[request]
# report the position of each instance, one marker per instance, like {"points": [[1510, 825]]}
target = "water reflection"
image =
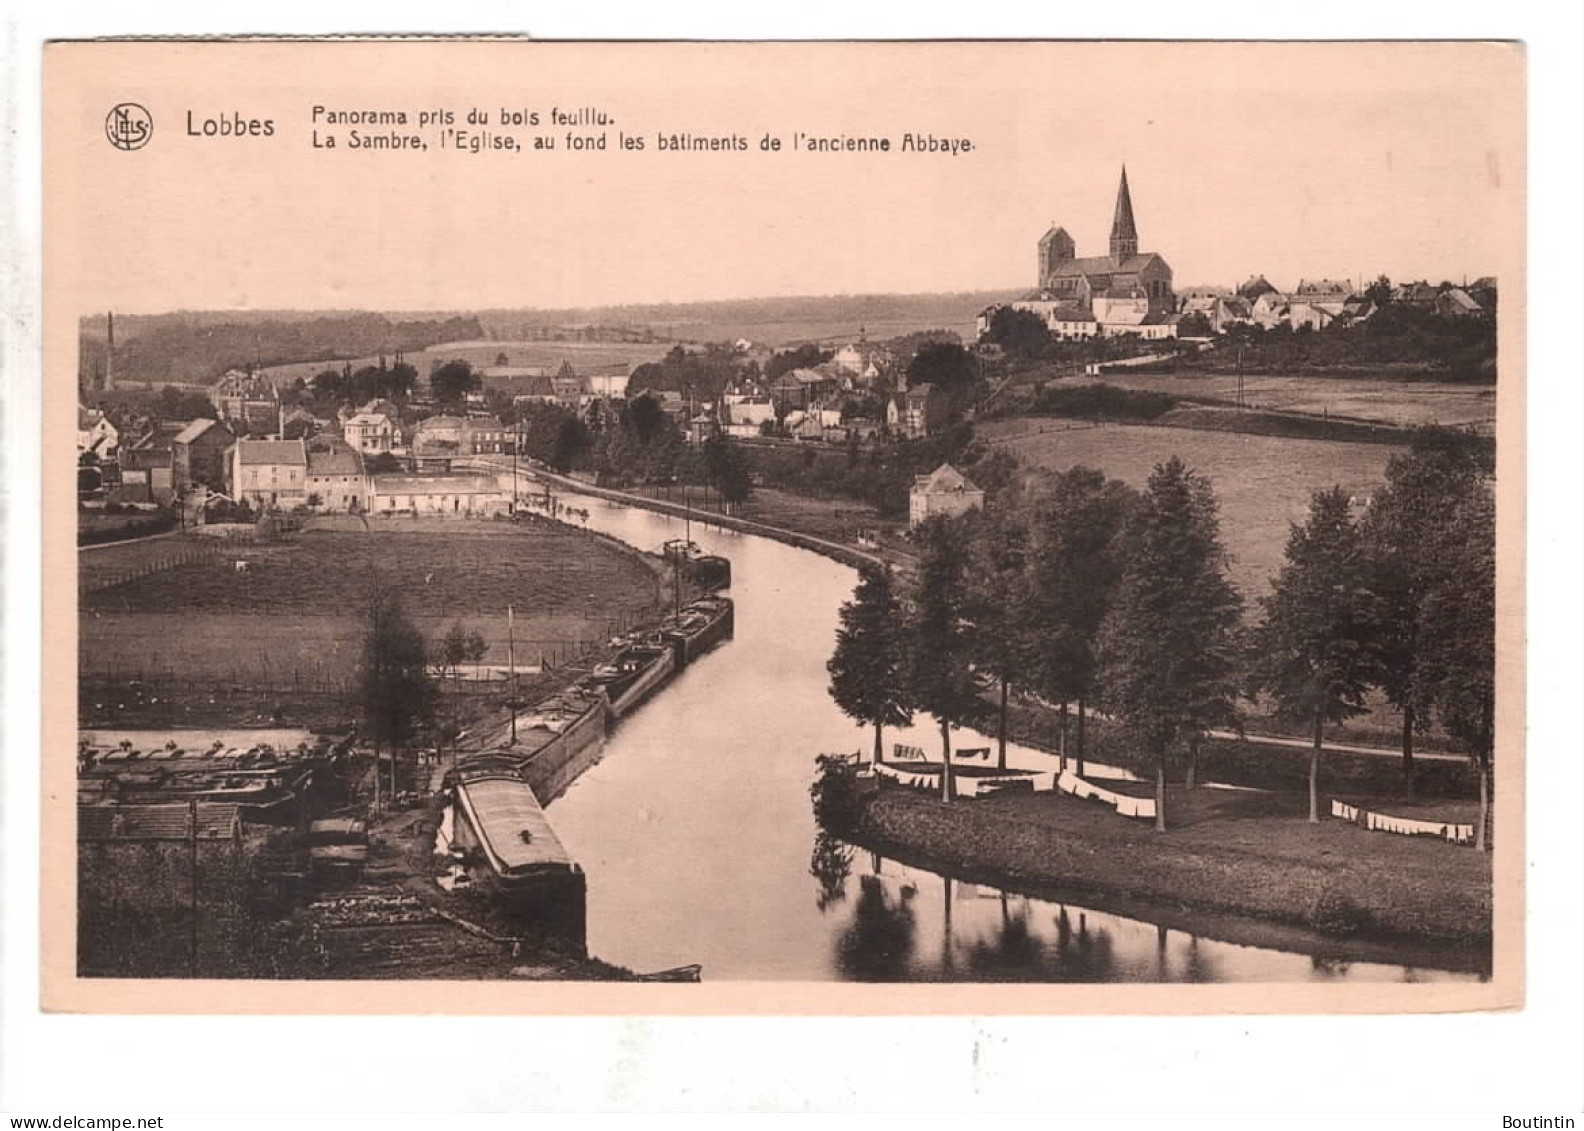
{"points": [[878, 942], [830, 864], [696, 832]]}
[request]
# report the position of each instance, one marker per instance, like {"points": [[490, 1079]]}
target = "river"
{"points": [[698, 838]]}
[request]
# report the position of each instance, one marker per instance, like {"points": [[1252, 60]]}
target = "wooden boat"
{"points": [[690, 973]]}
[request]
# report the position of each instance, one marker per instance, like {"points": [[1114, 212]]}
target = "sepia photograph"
{"points": [[548, 519]]}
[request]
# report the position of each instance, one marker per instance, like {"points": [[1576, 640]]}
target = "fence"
{"points": [[93, 580]]}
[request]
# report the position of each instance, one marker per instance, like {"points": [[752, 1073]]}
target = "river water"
{"points": [[698, 838]]}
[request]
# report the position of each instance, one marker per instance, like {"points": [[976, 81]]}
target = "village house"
{"points": [[337, 480], [944, 491], [916, 412], [270, 473], [1269, 310], [609, 381], [439, 440], [201, 454], [865, 362], [457, 495], [370, 433], [148, 467], [1455, 302], [95, 434], [745, 414], [248, 403], [1256, 287], [567, 387]]}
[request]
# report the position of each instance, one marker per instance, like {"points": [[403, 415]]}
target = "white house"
{"points": [[270, 473], [370, 433], [96, 434]]}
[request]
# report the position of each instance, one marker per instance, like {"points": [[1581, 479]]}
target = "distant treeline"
{"points": [[193, 350]]}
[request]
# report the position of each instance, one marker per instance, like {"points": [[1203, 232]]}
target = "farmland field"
{"points": [[298, 607], [584, 356], [1263, 483], [1403, 403]]}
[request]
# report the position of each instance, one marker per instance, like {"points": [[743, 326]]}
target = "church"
{"points": [[1125, 292]]}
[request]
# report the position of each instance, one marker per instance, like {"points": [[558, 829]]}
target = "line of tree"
{"points": [[1081, 590]]}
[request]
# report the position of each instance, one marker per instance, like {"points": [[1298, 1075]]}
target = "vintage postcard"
{"points": [[993, 527]]}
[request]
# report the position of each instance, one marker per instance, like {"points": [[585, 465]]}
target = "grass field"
{"points": [[1263, 483], [583, 356], [296, 613], [1402, 403]]}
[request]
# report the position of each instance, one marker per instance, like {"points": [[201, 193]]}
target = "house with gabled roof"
{"points": [[337, 478], [270, 473], [201, 454], [944, 491]]}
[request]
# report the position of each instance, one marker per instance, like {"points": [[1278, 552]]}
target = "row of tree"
{"points": [[1082, 590]]}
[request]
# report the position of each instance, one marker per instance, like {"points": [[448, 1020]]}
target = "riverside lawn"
{"points": [[1247, 855]]}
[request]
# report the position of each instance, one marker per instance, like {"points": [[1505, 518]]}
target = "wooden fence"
{"points": [[93, 580]]}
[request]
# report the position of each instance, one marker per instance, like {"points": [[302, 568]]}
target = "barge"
{"points": [[698, 627], [510, 850], [632, 674], [707, 571]]}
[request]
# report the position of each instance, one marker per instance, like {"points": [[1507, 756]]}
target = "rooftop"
{"points": [[278, 452]]}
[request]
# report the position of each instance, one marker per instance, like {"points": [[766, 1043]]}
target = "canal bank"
{"points": [[1330, 889], [700, 843]]}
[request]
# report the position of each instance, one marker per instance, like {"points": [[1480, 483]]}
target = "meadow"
{"points": [[296, 614], [1263, 483], [1400, 403]]}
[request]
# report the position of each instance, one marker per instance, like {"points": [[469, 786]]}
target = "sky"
{"points": [[1295, 161]]}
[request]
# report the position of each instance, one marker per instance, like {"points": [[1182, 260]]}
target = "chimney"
{"points": [[109, 375]]}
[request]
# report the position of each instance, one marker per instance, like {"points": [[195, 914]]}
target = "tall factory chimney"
{"points": [[109, 375]]}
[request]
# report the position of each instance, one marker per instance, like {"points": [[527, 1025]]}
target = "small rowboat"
{"points": [[690, 973]]}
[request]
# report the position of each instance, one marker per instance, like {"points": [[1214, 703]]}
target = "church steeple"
{"points": [[1124, 233]]}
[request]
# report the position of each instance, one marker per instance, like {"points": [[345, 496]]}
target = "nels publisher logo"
{"points": [[129, 126]]}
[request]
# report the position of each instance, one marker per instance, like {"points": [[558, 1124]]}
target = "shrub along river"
{"points": [[699, 841]]}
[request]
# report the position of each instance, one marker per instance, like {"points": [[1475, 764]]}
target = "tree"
{"points": [[869, 668], [946, 365], [453, 649], [998, 592], [1021, 333], [1459, 641], [394, 690], [1317, 648], [1167, 660], [1380, 291], [1076, 564], [453, 381], [941, 678], [174, 404], [384, 463], [1401, 530], [571, 443], [645, 417], [1195, 324]]}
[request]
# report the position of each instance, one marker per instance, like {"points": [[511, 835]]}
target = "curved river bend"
{"points": [[697, 833]]}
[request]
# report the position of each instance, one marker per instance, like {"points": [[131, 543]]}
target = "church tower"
{"points": [[1055, 248], [1124, 232]]}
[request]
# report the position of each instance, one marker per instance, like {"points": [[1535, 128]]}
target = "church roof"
{"points": [[1122, 224], [1055, 230], [1105, 265]]}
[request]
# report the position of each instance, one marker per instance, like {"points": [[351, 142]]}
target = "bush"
{"points": [[835, 793]]}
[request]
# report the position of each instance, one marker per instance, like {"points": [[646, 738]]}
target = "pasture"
{"points": [[296, 614], [1263, 483], [1400, 403]]}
